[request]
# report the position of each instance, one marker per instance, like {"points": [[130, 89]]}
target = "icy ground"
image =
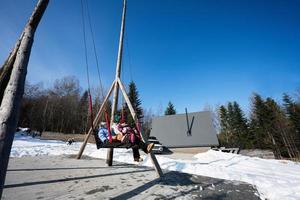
{"points": [[274, 179]]}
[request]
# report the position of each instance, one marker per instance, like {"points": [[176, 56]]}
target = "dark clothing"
{"points": [[136, 153], [131, 135], [139, 145]]}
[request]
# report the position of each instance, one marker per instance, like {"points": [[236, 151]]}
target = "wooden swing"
{"points": [[116, 85], [110, 143]]}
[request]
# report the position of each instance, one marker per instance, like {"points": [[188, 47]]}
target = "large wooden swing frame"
{"points": [[116, 85], [12, 80]]}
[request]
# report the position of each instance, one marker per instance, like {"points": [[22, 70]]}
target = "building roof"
{"points": [[172, 130]]}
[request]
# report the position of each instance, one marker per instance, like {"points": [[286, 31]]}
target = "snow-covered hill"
{"points": [[274, 179]]}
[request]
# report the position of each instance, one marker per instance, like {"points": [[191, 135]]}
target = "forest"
{"points": [[64, 107], [269, 125]]}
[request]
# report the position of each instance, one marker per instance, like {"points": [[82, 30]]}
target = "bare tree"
{"points": [[147, 121], [215, 114]]}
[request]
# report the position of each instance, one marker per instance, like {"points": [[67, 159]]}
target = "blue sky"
{"points": [[192, 52]]}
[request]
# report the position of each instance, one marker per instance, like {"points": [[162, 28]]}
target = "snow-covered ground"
{"points": [[274, 179]]}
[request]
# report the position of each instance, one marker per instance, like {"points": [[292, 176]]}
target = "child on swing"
{"points": [[104, 136], [125, 134]]}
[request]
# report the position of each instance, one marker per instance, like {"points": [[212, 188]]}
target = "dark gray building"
{"points": [[196, 130]]}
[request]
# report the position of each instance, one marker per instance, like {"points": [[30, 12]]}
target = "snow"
{"points": [[274, 179], [24, 129]]}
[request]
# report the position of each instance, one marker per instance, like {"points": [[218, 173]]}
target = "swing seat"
{"points": [[115, 144]]}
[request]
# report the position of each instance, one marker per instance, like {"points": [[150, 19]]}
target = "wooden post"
{"points": [[96, 121], [110, 151], [6, 69], [9, 109], [134, 116]]}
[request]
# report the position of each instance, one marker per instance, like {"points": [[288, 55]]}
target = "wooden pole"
{"points": [[6, 69], [134, 116], [9, 109], [110, 151], [96, 121]]}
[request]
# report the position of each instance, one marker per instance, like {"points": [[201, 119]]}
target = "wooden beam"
{"points": [[119, 61], [6, 68], [156, 165], [134, 116], [110, 152], [131, 109], [96, 121], [11, 101]]}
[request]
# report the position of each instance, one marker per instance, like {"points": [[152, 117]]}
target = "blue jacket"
{"points": [[103, 134]]}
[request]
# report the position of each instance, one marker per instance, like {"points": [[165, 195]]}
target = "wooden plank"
{"points": [[134, 116], [96, 121]]}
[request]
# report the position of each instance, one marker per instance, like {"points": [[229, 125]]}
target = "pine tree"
{"points": [[265, 124], [224, 134], [223, 119], [292, 111], [136, 104], [240, 126], [234, 126], [170, 110], [230, 114], [258, 123], [231, 126], [278, 126], [274, 126]]}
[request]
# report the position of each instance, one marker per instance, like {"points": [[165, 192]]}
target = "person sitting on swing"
{"points": [[104, 136], [131, 135], [125, 134]]}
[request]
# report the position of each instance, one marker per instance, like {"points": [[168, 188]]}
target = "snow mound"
{"points": [[274, 179]]}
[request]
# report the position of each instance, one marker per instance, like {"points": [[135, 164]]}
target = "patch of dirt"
{"points": [[102, 189], [64, 137], [83, 157]]}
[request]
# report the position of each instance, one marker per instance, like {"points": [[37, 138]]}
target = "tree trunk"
{"points": [[9, 109], [44, 115], [6, 69]]}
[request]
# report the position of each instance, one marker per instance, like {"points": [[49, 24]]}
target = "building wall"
{"points": [[172, 130]]}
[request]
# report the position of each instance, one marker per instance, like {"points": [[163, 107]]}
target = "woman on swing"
{"points": [[125, 134]]}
